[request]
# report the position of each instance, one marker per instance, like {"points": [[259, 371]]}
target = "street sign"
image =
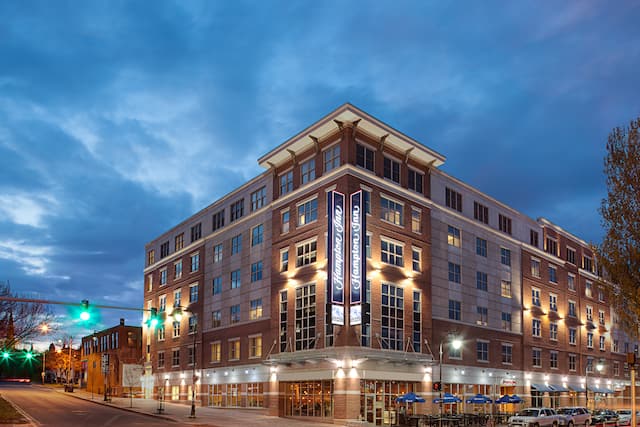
{"points": [[105, 363]]}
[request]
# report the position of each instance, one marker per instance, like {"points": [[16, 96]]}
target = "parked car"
{"points": [[574, 415], [604, 416], [536, 417], [624, 417]]}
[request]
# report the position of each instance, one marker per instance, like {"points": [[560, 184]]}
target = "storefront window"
{"points": [[309, 399]]}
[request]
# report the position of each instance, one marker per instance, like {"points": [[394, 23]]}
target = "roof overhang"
{"points": [[348, 354], [348, 115]]}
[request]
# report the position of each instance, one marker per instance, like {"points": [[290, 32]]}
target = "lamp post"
{"points": [[599, 367], [456, 343], [177, 315]]}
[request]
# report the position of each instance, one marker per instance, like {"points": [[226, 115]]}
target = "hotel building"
{"points": [[336, 280]]}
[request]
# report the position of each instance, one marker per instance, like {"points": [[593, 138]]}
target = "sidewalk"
{"points": [[205, 416]]}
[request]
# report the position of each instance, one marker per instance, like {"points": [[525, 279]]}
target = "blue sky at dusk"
{"points": [[120, 119]]}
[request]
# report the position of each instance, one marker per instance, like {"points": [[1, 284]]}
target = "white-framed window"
{"points": [[602, 343], [193, 293], [589, 339], [573, 333], [286, 182], [553, 359], [505, 288], [284, 260], [308, 212], [415, 181], [257, 235], [455, 310], [416, 220], [454, 272], [177, 269], [589, 312], [308, 171], [331, 157], [601, 317], [571, 282], [391, 252], [177, 297], [535, 267], [572, 308], [258, 199], [391, 169], [571, 255], [176, 329], [163, 276], [391, 211], [235, 279], [216, 319], [305, 317], [255, 346], [588, 289], [193, 324], [236, 244], [234, 313], [216, 350], [553, 331], [306, 253], [416, 259], [535, 297], [195, 262], [392, 316], [255, 310], [175, 361], [551, 246], [284, 221], [553, 302], [483, 315], [162, 303], [507, 354], [234, 349], [482, 282], [505, 256], [482, 350], [536, 358], [506, 321], [453, 236], [161, 359], [481, 247], [217, 253], [364, 157], [256, 271], [572, 362], [161, 332], [536, 327]]}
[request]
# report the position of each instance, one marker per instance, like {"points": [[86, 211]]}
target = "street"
{"points": [[47, 407]]}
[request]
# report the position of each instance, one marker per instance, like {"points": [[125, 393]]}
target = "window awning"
{"points": [[603, 390], [558, 388], [542, 388], [577, 388]]}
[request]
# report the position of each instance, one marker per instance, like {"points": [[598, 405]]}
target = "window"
{"points": [[176, 329], [196, 232], [366, 196], [417, 321], [588, 289], [237, 210], [177, 270], [454, 310], [151, 257], [217, 253], [149, 283], [308, 212], [455, 353], [601, 317], [392, 170], [217, 219], [504, 224], [331, 157], [480, 212], [193, 293], [255, 312], [553, 331], [236, 244], [572, 308], [454, 272], [177, 298], [286, 183], [600, 294], [255, 346], [258, 199], [571, 282], [505, 288], [234, 312], [535, 267], [175, 357], [536, 358], [589, 311], [161, 332], [162, 303], [536, 328], [551, 246], [572, 362], [284, 222], [308, 171], [164, 249], [553, 359], [571, 255], [481, 247], [234, 349], [306, 253], [553, 274], [216, 319], [482, 351], [416, 220], [163, 277], [161, 359], [391, 211], [217, 285], [587, 263], [305, 317], [507, 354], [235, 279], [392, 317], [257, 235], [256, 271], [284, 260], [453, 199], [215, 351], [553, 302], [415, 181], [415, 259], [367, 245], [505, 256], [193, 324], [483, 315], [572, 336], [195, 262], [533, 238], [535, 297], [589, 339], [615, 346], [481, 281], [364, 157], [506, 321], [391, 252], [602, 343], [616, 369], [453, 236]]}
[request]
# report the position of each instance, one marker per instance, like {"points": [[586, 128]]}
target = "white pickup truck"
{"points": [[536, 417]]}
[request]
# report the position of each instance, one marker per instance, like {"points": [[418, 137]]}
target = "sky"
{"points": [[119, 119]]}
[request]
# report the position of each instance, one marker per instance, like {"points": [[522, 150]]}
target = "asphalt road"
{"points": [[50, 408]]}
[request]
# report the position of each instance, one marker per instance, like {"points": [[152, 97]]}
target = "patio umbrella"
{"points": [[447, 398], [410, 397], [479, 399], [514, 399], [503, 399]]}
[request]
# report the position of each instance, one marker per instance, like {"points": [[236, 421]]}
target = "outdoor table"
{"points": [[416, 418]]}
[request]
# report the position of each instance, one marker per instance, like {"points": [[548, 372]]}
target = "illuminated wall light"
{"points": [[565, 379], [182, 382], [166, 377], [353, 373], [182, 375], [427, 377], [527, 376], [428, 369], [609, 382], [340, 373], [274, 369], [274, 376], [490, 374], [246, 372], [546, 377]]}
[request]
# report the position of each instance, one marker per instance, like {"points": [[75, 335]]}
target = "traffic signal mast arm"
{"points": [[83, 303]]}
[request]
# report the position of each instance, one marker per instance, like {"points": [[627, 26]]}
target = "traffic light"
{"points": [[153, 318], [28, 355], [5, 355], [84, 314], [437, 386]]}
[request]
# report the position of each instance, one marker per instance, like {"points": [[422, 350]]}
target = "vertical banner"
{"points": [[335, 252], [358, 260]]}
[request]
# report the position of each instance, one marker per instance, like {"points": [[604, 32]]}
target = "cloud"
{"points": [[27, 209], [32, 259]]}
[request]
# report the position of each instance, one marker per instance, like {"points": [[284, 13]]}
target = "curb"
{"points": [[29, 420]]}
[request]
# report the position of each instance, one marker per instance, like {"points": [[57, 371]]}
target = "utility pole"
{"points": [[631, 360]]}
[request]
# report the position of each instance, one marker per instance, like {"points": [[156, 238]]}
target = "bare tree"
{"points": [[619, 253], [20, 321]]}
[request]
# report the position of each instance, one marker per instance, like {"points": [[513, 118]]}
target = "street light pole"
{"points": [[456, 343], [194, 378]]}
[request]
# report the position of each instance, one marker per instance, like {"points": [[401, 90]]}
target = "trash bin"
{"points": [[68, 388]]}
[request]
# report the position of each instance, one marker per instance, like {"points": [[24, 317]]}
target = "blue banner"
{"points": [[336, 244]]}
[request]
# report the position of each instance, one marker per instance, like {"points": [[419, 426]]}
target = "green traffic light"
{"points": [[84, 314], [29, 355], [5, 355]]}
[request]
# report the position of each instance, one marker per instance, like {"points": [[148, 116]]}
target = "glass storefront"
{"points": [[378, 400], [309, 399], [246, 395]]}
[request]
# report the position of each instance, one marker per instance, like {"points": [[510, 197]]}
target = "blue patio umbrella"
{"points": [[447, 398], [479, 399], [515, 399], [410, 397], [503, 399]]}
